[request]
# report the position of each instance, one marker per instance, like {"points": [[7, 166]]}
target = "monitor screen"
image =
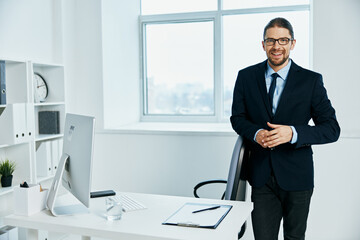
{"points": [[75, 166]]}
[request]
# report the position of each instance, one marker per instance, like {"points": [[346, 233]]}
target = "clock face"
{"points": [[41, 88]]}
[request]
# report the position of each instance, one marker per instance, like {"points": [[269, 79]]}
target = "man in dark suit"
{"points": [[272, 106]]}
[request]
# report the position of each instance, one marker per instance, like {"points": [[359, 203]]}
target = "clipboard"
{"points": [[186, 217]]}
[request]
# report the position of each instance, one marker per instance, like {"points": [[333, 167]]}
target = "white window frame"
{"points": [[216, 17]]}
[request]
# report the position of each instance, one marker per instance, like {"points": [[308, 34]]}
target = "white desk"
{"points": [[142, 224]]}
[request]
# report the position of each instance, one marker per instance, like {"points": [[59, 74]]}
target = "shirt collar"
{"points": [[282, 72]]}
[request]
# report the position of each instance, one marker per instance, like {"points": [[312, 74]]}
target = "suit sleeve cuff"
{"points": [[294, 137]]}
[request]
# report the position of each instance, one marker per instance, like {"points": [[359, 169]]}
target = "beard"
{"points": [[279, 62]]}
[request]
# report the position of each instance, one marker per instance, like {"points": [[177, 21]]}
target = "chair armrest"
{"points": [[199, 185]]}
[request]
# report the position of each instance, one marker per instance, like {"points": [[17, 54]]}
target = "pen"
{"points": [[205, 209]]}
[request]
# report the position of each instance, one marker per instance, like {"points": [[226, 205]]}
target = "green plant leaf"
{"points": [[7, 167]]}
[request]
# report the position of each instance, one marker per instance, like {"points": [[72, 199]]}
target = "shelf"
{"points": [[48, 104], [20, 115], [17, 90], [13, 145], [47, 65], [13, 60], [7, 190], [54, 77], [45, 137]]}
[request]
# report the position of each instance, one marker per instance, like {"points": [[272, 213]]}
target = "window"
{"points": [[180, 68], [242, 50], [191, 53], [176, 6], [236, 4]]}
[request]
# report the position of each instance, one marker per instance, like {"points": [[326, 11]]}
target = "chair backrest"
{"points": [[236, 188]]}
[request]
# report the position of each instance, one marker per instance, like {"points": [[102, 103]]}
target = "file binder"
{"points": [[13, 124], [2, 83], [190, 216], [43, 159], [56, 155]]}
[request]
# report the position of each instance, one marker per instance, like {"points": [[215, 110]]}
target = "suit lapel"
{"points": [[289, 87], [260, 78]]}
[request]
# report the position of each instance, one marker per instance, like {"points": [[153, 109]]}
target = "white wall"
{"points": [[30, 30], [160, 163], [336, 55], [83, 57], [336, 197], [172, 163], [120, 48]]}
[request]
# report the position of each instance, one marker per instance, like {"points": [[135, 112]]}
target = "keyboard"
{"points": [[129, 204]]}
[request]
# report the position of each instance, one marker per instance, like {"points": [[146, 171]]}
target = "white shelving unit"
{"points": [[20, 92]]}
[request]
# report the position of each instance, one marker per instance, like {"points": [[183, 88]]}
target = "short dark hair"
{"points": [[280, 22]]}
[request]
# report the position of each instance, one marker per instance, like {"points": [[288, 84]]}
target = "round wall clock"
{"points": [[41, 88]]}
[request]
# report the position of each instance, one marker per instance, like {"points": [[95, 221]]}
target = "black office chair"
{"points": [[236, 188]]}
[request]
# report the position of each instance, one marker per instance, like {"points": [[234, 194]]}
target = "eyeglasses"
{"points": [[281, 41]]}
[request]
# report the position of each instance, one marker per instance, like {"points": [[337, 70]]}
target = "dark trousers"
{"points": [[271, 204]]}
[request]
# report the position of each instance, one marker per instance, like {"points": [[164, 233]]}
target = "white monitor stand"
{"points": [[59, 210]]}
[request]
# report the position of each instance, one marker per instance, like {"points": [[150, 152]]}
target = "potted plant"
{"points": [[7, 168]]}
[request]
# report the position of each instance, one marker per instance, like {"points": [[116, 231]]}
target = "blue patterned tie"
{"points": [[272, 88]]}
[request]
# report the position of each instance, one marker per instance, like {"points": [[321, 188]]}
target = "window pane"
{"points": [[242, 45], [237, 4], [176, 6], [180, 68]]}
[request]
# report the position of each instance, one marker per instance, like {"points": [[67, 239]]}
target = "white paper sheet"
{"points": [[209, 218]]}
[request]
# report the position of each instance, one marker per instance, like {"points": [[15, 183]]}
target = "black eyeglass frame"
{"points": [[277, 40]]}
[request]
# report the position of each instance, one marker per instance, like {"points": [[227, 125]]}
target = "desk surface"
{"points": [[142, 224]]}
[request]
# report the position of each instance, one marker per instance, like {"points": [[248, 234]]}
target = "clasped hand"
{"points": [[278, 135]]}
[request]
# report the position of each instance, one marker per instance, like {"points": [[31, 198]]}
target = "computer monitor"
{"points": [[75, 166]]}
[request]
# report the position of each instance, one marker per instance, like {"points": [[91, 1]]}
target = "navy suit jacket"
{"points": [[303, 98]]}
